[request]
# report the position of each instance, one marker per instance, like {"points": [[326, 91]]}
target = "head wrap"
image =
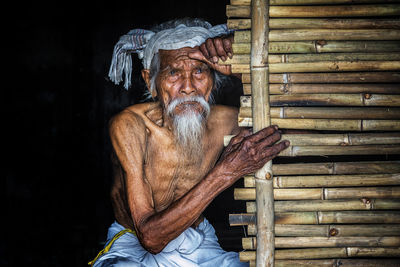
{"points": [[147, 43]]}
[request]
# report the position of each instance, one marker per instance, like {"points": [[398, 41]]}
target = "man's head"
{"points": [[171, 35]]}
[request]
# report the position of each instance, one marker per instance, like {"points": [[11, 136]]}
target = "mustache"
{"points": [[198, 99]]}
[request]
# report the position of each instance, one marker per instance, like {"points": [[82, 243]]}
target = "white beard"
{"points": [[188, 126]]}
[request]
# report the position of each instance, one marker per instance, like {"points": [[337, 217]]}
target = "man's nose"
{"points": [[187, 86]]}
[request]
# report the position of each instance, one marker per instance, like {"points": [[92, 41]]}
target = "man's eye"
{"points": [[199, 70], [172, 72]]}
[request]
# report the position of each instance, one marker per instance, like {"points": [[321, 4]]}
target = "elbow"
{"points": [[151, 241], [152, 246]]}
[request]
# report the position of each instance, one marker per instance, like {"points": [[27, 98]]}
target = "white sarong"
{"points": [[194, 247]]}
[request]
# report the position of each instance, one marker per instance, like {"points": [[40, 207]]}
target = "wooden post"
{"points": [[261, 119]]}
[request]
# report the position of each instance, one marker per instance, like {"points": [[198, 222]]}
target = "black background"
{"points": [[57, 101]]}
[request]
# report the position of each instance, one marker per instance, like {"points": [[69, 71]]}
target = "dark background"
{"points": [[58, 101]]}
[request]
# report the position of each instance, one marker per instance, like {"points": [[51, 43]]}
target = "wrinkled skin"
{"points": [[159, 192]]}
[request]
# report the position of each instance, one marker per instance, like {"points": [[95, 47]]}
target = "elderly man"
{"points": [[167, 153]]}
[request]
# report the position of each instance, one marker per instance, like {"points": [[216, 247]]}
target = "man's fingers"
{"points": [[270, 140], [224, 69], [220, 48], [256, 137], [213, 56], [204, 51], [239, 137], [274, 150], [228, 47], [201, 57], [242, 134]]}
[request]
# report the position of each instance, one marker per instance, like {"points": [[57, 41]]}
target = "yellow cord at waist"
{"points": [[108, 246]]}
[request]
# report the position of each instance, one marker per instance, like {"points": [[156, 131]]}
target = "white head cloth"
{"points": [[147, 43]]}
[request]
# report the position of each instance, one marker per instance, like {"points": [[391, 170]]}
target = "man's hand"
{"points": [[246, 152], [214, 49], [219, 47]]}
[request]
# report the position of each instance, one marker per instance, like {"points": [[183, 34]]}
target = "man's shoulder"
{"points": [[132, 116], [223, 118], [224, 112]]}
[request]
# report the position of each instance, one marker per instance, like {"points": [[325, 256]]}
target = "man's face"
{"points": [[181, 77]]}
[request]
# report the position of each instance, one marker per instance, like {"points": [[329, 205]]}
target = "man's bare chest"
{"points": [[171, 173]]}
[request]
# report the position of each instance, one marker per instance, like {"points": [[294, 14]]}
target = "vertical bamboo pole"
{"points": [[262, 119]]}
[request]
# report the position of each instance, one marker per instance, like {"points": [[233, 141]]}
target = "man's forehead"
{"points": [[168, 57], [180, 51]]}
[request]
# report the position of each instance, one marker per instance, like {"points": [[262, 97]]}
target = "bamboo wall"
{"points": [[334, 71]]}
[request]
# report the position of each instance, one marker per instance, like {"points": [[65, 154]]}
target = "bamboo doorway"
{"points": [[332, 68]]}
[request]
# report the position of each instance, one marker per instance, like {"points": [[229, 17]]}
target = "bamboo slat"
{"points": [[373, 252], [364, 217], [312, 253], [323, 217], [336, 180], [323, 193], [331, 205], [335, 66], [329, 78], [318, 11], [364, 230], [323, 47], [308, 88], [317, 242], [337, 230], [362, 192], [296, 217], [239, 24], [296, 58], [240, 2], [321, 253], [235, 11], [262, 119], [369, 113], [242, 219], [324, 66], [328, 100], [280, 194], [360, 167], [336, 140], [334, 11], [324, 2], [303, 242], [348, 139], [312, 2], [333, 23], [329, 124], [319, 23], [337, 262], [241, 48], [301, 230], [323, 34], [295, 151]]}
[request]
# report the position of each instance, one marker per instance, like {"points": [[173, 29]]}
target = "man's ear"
{"points": [[146, 78]]}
